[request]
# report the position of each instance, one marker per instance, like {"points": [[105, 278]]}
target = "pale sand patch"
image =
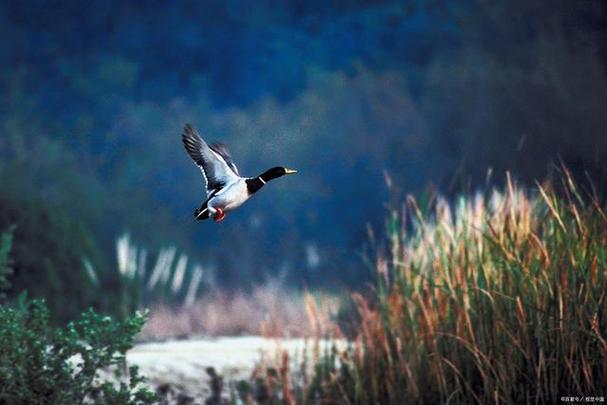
{"points": [[182, 363]]}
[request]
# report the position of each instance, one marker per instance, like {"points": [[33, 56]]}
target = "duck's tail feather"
{"points": [[201, 213]]}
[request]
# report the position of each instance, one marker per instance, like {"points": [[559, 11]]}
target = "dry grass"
{"points": [[500, 298], [268, 310]]}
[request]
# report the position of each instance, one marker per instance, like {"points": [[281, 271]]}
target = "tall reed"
{"points": [[497, 298]]}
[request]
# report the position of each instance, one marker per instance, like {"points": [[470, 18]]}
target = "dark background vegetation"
{"points": [[93, 97]]}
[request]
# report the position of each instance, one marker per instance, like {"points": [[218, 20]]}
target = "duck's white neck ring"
{"points": [[262, 180]]}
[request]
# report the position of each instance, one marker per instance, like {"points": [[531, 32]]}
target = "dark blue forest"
{"points": [[369, 100]]}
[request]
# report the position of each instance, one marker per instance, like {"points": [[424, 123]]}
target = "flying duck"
{"points": [[226, 189]]}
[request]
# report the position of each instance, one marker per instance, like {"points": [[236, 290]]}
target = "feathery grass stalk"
{"points": [[502, 300], [498, 298], [170, 281]]}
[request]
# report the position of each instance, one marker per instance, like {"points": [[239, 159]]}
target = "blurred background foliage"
{"points": [[93, 97]]}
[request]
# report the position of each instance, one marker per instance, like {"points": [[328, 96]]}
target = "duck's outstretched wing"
{"points": [[223, 151], [215, 169]]}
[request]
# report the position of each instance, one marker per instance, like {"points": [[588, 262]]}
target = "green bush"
{"points": [[42, 365]]}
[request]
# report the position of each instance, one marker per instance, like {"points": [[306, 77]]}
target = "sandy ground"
{"points": [[181, 365]]}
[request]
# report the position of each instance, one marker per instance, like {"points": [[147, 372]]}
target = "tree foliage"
{"points": [[48, 253], [428, 91], [6, 270]]}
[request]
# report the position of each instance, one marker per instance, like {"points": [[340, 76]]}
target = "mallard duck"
{"points": [[226, 189]]}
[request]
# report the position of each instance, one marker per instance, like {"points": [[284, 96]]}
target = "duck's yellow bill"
{"points": [[290, 171]]}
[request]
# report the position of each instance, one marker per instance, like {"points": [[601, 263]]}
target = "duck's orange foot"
{"points": [[220, 215]]}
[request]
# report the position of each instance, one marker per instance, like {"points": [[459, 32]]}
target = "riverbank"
{"points": [[182, 368]]}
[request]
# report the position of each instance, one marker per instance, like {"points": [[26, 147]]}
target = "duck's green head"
{"points": [[255, 183], [275, 173]]}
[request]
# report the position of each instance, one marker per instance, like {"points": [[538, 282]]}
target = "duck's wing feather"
{"points": [[215, 169], [223, 151]]}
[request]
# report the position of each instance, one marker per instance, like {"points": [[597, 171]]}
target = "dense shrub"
{"points": [[48, 256], [6, 244], [40, 365]]}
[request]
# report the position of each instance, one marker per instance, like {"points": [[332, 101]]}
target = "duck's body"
{"points": [[226, 189], [227, 199]]}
